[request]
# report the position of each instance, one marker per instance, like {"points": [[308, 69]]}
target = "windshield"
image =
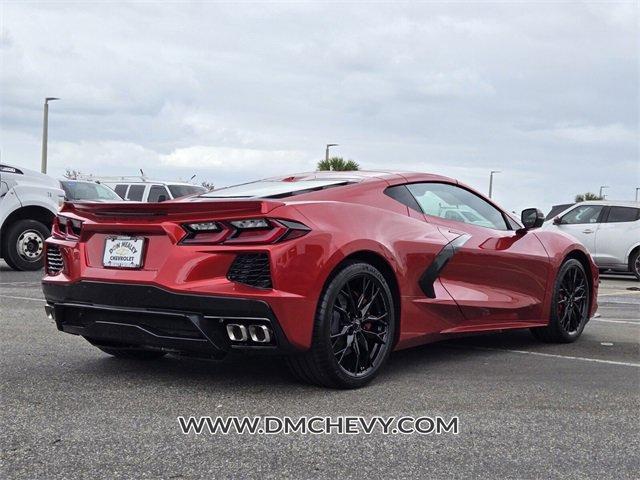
{"points": [[272, 188], [184, 190], [88, 191]]}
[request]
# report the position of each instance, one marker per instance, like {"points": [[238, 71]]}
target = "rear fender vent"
{"points": [[251, 269], [54, 260]]}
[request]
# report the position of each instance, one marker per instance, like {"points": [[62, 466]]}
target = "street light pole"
{"points": [[491, 181], [45, 133], [602, 187], [326, 152], [637, 190]]}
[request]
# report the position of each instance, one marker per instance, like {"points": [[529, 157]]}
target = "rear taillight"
{"points": [[252, 231], [66, 227]]}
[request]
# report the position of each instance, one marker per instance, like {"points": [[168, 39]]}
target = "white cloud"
{"points": [[250, 162], [615, 133]]}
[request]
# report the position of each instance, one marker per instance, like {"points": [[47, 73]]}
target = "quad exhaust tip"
{"points": [[260, 333], [239, 333]]}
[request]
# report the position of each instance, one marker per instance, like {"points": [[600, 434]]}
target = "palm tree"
{"points": [[587, 196], [338, 164]]}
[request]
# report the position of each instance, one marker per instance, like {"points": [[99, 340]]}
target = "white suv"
{"points": [[609, 230], [152, 191]]}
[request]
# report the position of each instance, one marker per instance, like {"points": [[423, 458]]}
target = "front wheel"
{"points": [[353, 332], [23, 245], [570, 307], [634, 263]]}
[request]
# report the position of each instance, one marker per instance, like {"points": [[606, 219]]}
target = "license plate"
{"points": [[123, 252]]}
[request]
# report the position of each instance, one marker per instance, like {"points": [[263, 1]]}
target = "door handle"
{"points": [[587, 231]]}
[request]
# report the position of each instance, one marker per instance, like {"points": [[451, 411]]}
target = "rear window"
{"points": [[121, 190], [273, 188], [623, 214], [136, 192], [178, 191], [157, 193]]}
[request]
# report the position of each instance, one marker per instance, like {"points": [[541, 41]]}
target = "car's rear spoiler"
{"points": [[217, 208]]}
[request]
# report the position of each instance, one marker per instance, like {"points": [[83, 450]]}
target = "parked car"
{"points": [[29, 202], [333, 270], [609, 230], [152, 191], [80, 190]]}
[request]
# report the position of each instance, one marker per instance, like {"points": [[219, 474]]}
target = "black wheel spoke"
{"points": [[360, 326], [341, 310], [377, 337], [365, 310], [572, 299], [376, 320], [342, 333]]}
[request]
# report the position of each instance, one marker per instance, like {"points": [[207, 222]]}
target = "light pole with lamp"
{"points": [[326, 152], [602, 187]]}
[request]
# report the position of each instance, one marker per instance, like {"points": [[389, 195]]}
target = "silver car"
{"points": [[610, 231]]}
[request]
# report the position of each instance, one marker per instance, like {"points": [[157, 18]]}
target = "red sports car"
{"points": [[333, 270]]}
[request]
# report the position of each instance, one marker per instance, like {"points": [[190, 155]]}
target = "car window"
{"points": [[623, 214], [121, 190], [582, 214], [156, 192], [455, 203], [453, 215], [184, 190], [400, 193], [88, 191], [136, 192]]}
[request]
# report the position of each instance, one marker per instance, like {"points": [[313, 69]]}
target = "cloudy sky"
{"points": [[546, 92]]}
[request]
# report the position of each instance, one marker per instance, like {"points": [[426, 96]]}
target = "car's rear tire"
{"points": [[353, 331], [23, 245], [570, 305], [634, 263], [132, 352]]}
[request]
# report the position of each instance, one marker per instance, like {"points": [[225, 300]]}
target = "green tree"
{"points": [[588, 196], [338, 164]]}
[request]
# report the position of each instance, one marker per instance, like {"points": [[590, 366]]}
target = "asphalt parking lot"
{"points": [[527, 410]]}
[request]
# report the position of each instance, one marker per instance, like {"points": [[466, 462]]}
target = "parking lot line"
{"points": [[611, 320], [24, 298], [552, 355], [617, 293]]}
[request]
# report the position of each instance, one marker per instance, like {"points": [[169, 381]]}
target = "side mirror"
{"points": [[557, 220], [532, 218]]}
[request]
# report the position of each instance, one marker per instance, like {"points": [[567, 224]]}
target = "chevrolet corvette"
{"points": [[331, 270]]}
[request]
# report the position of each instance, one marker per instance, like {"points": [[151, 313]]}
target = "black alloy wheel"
{"points": [[572, 299], [570, 307], [353, 332], [359, 325]]}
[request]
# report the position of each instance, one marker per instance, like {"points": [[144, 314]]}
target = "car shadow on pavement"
{"points": [[255, 372]]}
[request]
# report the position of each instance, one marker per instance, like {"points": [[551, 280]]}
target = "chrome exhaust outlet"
{"points": [[237, 333], [260, 333]]}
